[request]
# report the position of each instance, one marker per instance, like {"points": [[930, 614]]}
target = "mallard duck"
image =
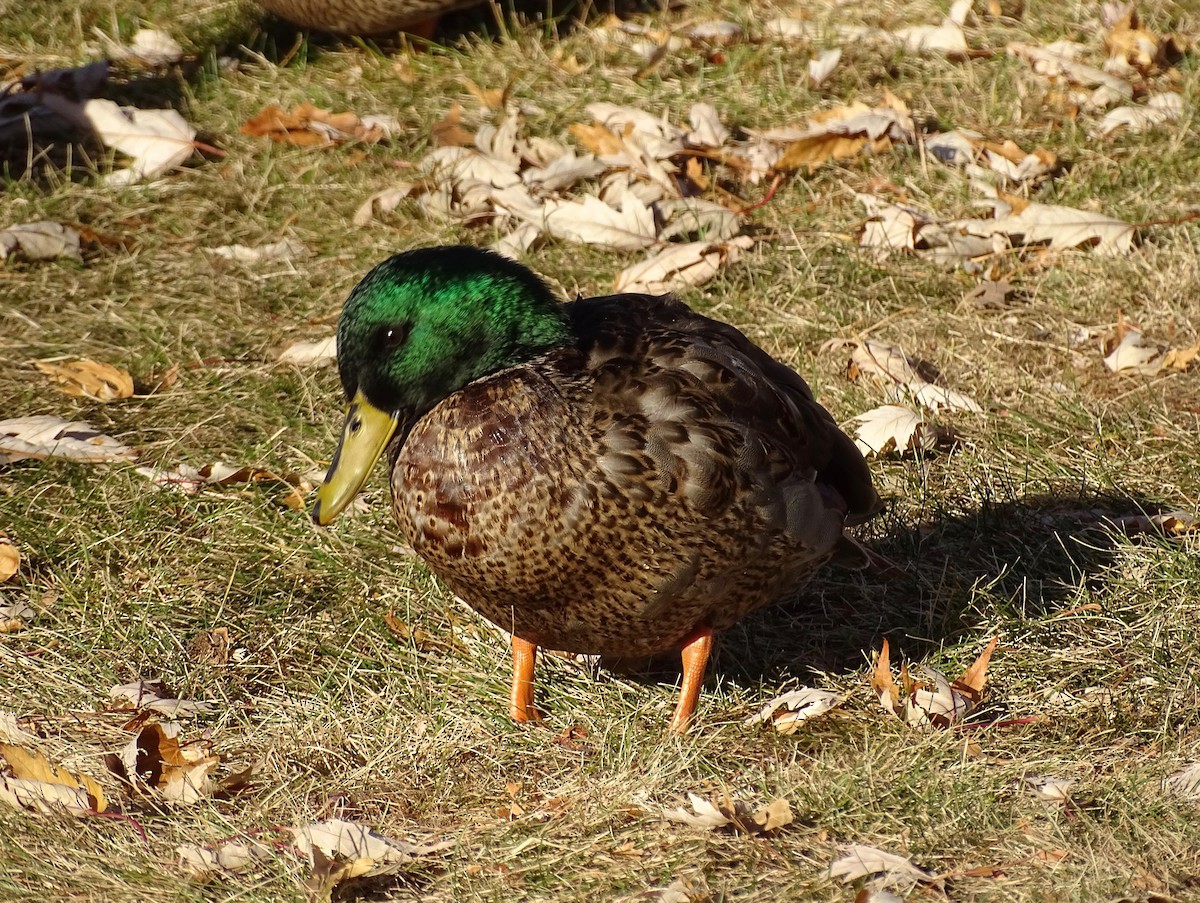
{"points": [[366, 17], [616, 475]]}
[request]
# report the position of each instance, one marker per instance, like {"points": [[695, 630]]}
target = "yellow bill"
{"points": [[365, 435]]}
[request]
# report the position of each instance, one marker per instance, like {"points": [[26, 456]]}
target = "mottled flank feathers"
{"points": [[661, 475]]}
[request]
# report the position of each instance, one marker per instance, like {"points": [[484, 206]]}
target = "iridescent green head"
{"points": [[419, 327]]}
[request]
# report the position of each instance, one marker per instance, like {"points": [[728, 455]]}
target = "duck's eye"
{"points": [[391, 337]]}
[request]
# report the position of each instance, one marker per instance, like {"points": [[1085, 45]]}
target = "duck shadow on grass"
{"points": [[1015, 559]]}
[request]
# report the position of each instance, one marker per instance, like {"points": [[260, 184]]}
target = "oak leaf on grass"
{"points": [[86, 378]]}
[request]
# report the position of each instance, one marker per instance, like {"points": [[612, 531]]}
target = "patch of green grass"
{"points": [[1094, 677]]}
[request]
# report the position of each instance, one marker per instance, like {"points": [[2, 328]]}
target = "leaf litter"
{"points": [[34, 783], [934, 700], [48, 436], [732, 814], [788, 711], [86, 378]]}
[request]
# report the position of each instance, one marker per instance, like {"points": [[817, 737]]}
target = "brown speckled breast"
{"points": [[611, 498]]}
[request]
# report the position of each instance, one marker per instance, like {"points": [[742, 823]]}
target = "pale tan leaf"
{"points": [[935, 702], [1185, 783], [10, 558], [859, 860], [707, 130], [1131, 353], [681, 265], [221, 858], [891, 425], [11, 730], [1160, 108], [47, 436], [885, 361], [703, 815], [1053, 61], [156, 140], [284, 249], [1057, 790], [318, 352], [43, 796], [88, 379], [591, 221], [350, 840], [882, 682], [798, 706], [43, 778], [562, 172], [154, 696], [733, 814], [947, 39], [934, 397], [517, 242], [1169, 523], [772, 816], [382, 202], [822, 67], [41, 240], [148, 46]]}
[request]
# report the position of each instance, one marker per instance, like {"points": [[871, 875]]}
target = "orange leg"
{"points": [[695, 660], [520, 700]]}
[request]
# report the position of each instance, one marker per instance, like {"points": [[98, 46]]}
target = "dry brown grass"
{"points": [[409, 735]]}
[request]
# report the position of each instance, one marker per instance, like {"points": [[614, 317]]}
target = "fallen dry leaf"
{"points": [[317, 352], [46, 436], [1057, 790], [797, 707], [820, 68], [88, 379], [309, 126], [681, 265], [284, 249], [935, 700], [42, 240], [345, 839], [859, 860], [1165, 107], [449, 132], [154, 696], [39, 785], [882, 682], [1170, 523], [156, 764], [892, 426], [221, 858], [156, 140], [184, 477], [149, 46], [10, 558], [845, 131], [732, 814], [1185, 783]]}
